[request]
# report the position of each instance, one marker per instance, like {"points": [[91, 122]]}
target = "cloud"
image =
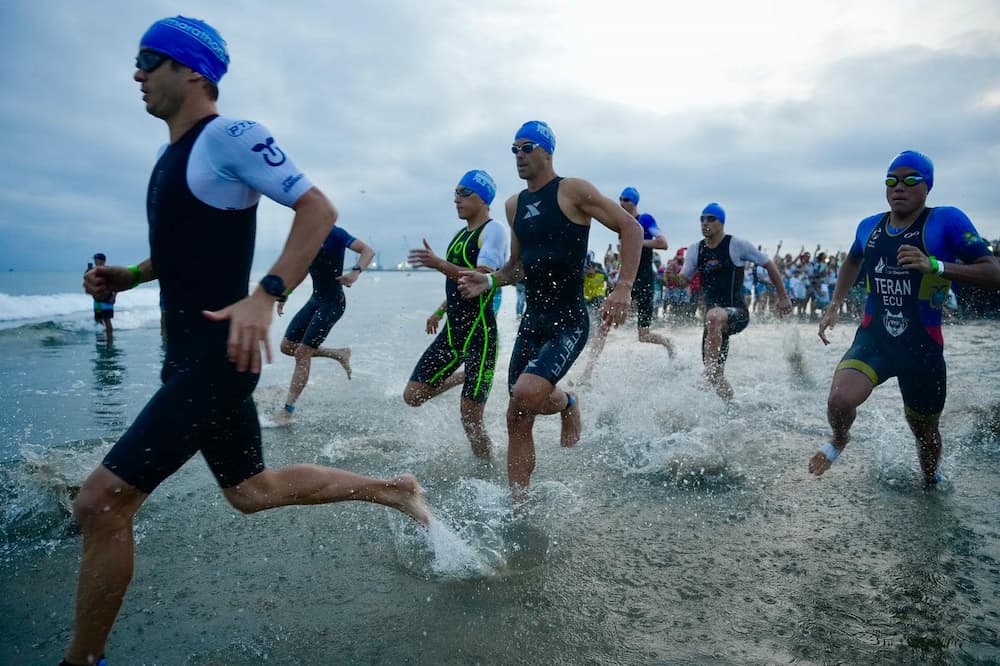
{"points": [[788, 123]]}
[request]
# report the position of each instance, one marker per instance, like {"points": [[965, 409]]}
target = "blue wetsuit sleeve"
{"points": [[337, 238], [650, 230], [953, 236]]}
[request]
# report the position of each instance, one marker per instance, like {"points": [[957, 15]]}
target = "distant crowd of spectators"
{"points": [[809, 279]]}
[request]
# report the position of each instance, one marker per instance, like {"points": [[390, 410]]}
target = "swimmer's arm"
{"points": [[779, 284], [250, 317], [104, 281], [592, 204], [984, 272], [658, 242], [314, 218], [511, 272], [350, 276], [473, 283]]}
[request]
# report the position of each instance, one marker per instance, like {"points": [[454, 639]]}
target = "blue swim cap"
{"points": [[716, 210], [481, 183], [190, 42], [540, 133], [918, 162], [630, 193]]}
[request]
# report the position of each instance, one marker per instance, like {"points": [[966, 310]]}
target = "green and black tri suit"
{"points": [[469, 337]]}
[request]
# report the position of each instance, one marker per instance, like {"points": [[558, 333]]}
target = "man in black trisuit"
{"points": [[309, 327], [201, 204], [642, 291], [720, 259], [550, 222]]}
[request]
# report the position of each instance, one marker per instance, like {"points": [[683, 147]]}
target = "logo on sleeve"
{"points": [[272, 154], [239, 127], [288, 183]]}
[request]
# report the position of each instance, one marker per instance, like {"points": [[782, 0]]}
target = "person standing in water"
{"points": [[104, 308], [642, 291], [720, 259], [550, 222], [910, 255], [201, 203], [310, 325], [469, 337]]}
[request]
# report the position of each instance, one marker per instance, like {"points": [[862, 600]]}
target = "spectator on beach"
{"points": [[104, 306]]}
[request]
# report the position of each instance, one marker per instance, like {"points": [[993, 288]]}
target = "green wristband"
{"points": [[439, 312], [136, 275], [934, 263]]}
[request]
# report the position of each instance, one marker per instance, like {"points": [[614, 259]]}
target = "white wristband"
{"points": [[493, 280], [940, 268], [830, 451]]}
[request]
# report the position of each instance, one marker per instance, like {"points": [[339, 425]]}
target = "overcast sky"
{"points": [[787, 113]]}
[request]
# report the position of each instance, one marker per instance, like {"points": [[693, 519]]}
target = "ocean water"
{"points": [[676, 532]]}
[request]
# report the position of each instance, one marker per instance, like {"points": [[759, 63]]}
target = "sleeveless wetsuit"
{"points": [[201, 204], [326, 306], [642, 289], [554, 328], [469, 337], [900, 333]]}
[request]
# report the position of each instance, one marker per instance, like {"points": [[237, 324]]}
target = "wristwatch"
{"points": [[357, 268], [273, 285]]}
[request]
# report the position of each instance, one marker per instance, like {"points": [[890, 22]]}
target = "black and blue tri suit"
{"points": [[900, 333], [555, 326]]}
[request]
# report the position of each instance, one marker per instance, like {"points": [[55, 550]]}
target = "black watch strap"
{"points": [[273, 285]]}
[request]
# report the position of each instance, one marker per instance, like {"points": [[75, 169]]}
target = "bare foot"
{"points": [[669, 344], [572, 425], [405, 494], [345, 361]]}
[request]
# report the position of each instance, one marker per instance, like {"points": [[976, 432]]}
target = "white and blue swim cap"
{"points": [[190, 42], [916, 161], [481, 183], [539, 132]]}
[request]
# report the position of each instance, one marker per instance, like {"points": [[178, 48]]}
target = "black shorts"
{"points": [[102, 315], [313, 322], [916, 361], [474, 347], [547, 345], [205, 407], [737, 319], [642, 298]]}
